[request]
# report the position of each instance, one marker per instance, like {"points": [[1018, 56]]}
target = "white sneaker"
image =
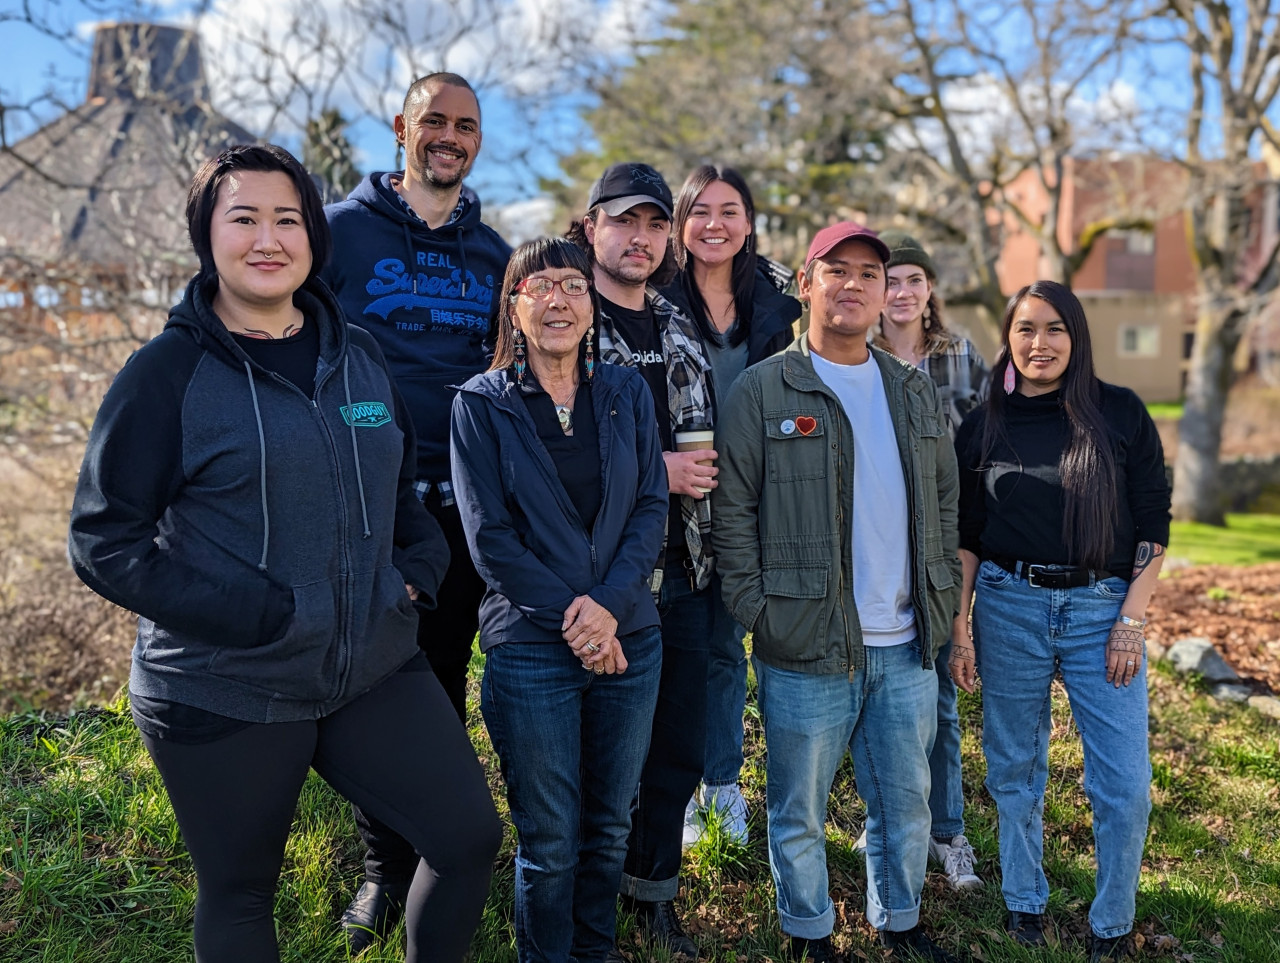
{"points": [[956, 859], [726, 803], [860, 844], [693, 825]]}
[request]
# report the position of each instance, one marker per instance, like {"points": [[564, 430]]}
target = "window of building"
{"points": [[1138, 242], [45, 295], [12, 299], [1188, 344], [1139, 341]]}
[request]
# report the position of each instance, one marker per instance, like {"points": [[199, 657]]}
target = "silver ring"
{"points": [[268, 256], [1130, 662], [593, 648]]}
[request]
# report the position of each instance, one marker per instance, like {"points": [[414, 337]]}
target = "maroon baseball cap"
{"points": [[829, 237]]}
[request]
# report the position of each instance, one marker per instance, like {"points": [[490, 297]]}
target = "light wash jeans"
{"points": [[885, 717], [571, 744], [726, 696], [1023, 635]]}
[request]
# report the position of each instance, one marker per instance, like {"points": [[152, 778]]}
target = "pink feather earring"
{"points": [[1010, 378]]}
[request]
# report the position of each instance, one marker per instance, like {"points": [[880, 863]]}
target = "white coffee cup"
{"points": [[694, 440]]}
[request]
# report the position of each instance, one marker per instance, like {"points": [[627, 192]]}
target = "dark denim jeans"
{"points": [[678, 747], [726, 695], [571, 745]]}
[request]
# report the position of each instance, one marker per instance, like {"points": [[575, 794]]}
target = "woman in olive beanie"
{"points": [[912, 328]]}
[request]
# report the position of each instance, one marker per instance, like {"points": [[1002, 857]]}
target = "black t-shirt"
{"points": [[639, 331], [292, 358], [576, 456]]}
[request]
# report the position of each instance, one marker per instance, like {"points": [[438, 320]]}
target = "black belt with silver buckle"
{"points": [[1051, 576]]}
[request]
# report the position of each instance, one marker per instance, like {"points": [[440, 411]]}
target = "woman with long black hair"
{"points": [[247, 490], [1064, 519], [737, 300]]}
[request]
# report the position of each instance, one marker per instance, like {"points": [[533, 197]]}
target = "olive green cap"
{"points": [[905, 249]]}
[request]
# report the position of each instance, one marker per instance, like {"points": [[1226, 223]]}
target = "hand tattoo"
{"points": [[1125, 639], [1147, 553], [964, 653]]}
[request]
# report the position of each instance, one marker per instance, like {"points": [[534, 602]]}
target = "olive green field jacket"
{"points": [[781, 530]]}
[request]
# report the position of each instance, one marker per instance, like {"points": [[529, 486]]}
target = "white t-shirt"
{"points": [[879, 516]]}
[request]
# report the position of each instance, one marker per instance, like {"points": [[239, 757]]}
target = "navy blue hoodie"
{"points": [[264, 538], [429, 297], [526, 538]]}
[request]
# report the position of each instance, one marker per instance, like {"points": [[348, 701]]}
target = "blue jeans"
{"points": [[677, 749], [571, 745], [885, 717], [726, 695], [1023, 636], [946, 791]]}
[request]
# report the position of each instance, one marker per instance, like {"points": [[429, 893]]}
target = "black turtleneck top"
{"points": [[1013, 505]]}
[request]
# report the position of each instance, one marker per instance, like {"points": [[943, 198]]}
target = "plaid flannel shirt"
{"points": [[688, 401], [959, 372]]}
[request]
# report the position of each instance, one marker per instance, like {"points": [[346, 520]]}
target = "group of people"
{"points": [[372, 430]]}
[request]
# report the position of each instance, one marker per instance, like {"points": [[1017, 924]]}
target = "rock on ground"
{"points": [[1197, 654]]}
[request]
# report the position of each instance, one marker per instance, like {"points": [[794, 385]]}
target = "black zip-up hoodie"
{"points": [[429, 297], [264, 538]]}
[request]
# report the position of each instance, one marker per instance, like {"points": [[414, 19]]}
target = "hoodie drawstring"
{"points": [[355, 446], [462, 259], [262, 468], [410, 266]]}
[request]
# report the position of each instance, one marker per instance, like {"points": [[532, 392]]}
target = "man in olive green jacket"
{"points": [[835, 536]]}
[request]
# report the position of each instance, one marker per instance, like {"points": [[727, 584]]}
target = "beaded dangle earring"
{"points": [[591, 354], [1010, 378], [521, 364]]}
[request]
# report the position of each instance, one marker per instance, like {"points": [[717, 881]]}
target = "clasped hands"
{"points": [[591, 632]]}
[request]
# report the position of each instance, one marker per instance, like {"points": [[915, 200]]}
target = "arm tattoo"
{"points": [[1147, 553]]}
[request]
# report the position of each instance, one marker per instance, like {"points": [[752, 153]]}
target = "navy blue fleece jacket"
{"points": [[264, 538], [526, 538], [429, 297]]}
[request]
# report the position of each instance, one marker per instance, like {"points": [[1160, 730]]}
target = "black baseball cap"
{"points": [[627, 185]]}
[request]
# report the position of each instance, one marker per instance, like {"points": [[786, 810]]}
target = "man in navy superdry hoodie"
{"points": [[413, 265]]}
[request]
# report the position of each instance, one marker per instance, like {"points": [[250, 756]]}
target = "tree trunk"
{"points": [[1197, 490]]}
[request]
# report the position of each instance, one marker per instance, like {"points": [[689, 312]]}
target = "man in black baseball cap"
{"points": [[626, 233]]}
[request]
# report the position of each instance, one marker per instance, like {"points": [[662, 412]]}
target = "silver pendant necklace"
{"points": [[564, 412]]}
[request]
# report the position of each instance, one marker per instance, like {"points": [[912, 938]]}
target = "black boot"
{"points": [[373, 913], [914, 944], [659, 922], [811, 951], [1105, 950], [1026, 929]]}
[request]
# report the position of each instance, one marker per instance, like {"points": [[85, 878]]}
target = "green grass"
{"points": [[1169, 410], [1247, 540], [92, 866]]}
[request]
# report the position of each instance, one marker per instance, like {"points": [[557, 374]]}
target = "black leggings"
{"points": [[235, 800]]}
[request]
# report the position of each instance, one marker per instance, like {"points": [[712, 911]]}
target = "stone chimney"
{"points": [[147, 61]]}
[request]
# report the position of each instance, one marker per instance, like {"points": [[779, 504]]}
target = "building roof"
{"points": [[106, 182]]}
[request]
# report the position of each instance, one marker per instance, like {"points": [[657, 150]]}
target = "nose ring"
{"points": [[268, 256]]}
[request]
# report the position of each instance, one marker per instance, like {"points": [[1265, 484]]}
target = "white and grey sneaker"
{"points": [[693, 824], [956, 859], [860, 844], [727, 804]]}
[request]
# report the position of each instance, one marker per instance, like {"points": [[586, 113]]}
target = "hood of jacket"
{"points": [[195, 313]]}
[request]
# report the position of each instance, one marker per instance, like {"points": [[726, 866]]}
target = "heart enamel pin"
{"points": [[806, 424]]}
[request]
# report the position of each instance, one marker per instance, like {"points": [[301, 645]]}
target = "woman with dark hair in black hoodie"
{"points": [[248, 491], [737, 300]]}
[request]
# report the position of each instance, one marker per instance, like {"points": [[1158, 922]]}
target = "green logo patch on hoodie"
{"points": [[365, 414]]}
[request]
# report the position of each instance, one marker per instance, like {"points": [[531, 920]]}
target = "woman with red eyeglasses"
{"points": [[559, 477]]}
